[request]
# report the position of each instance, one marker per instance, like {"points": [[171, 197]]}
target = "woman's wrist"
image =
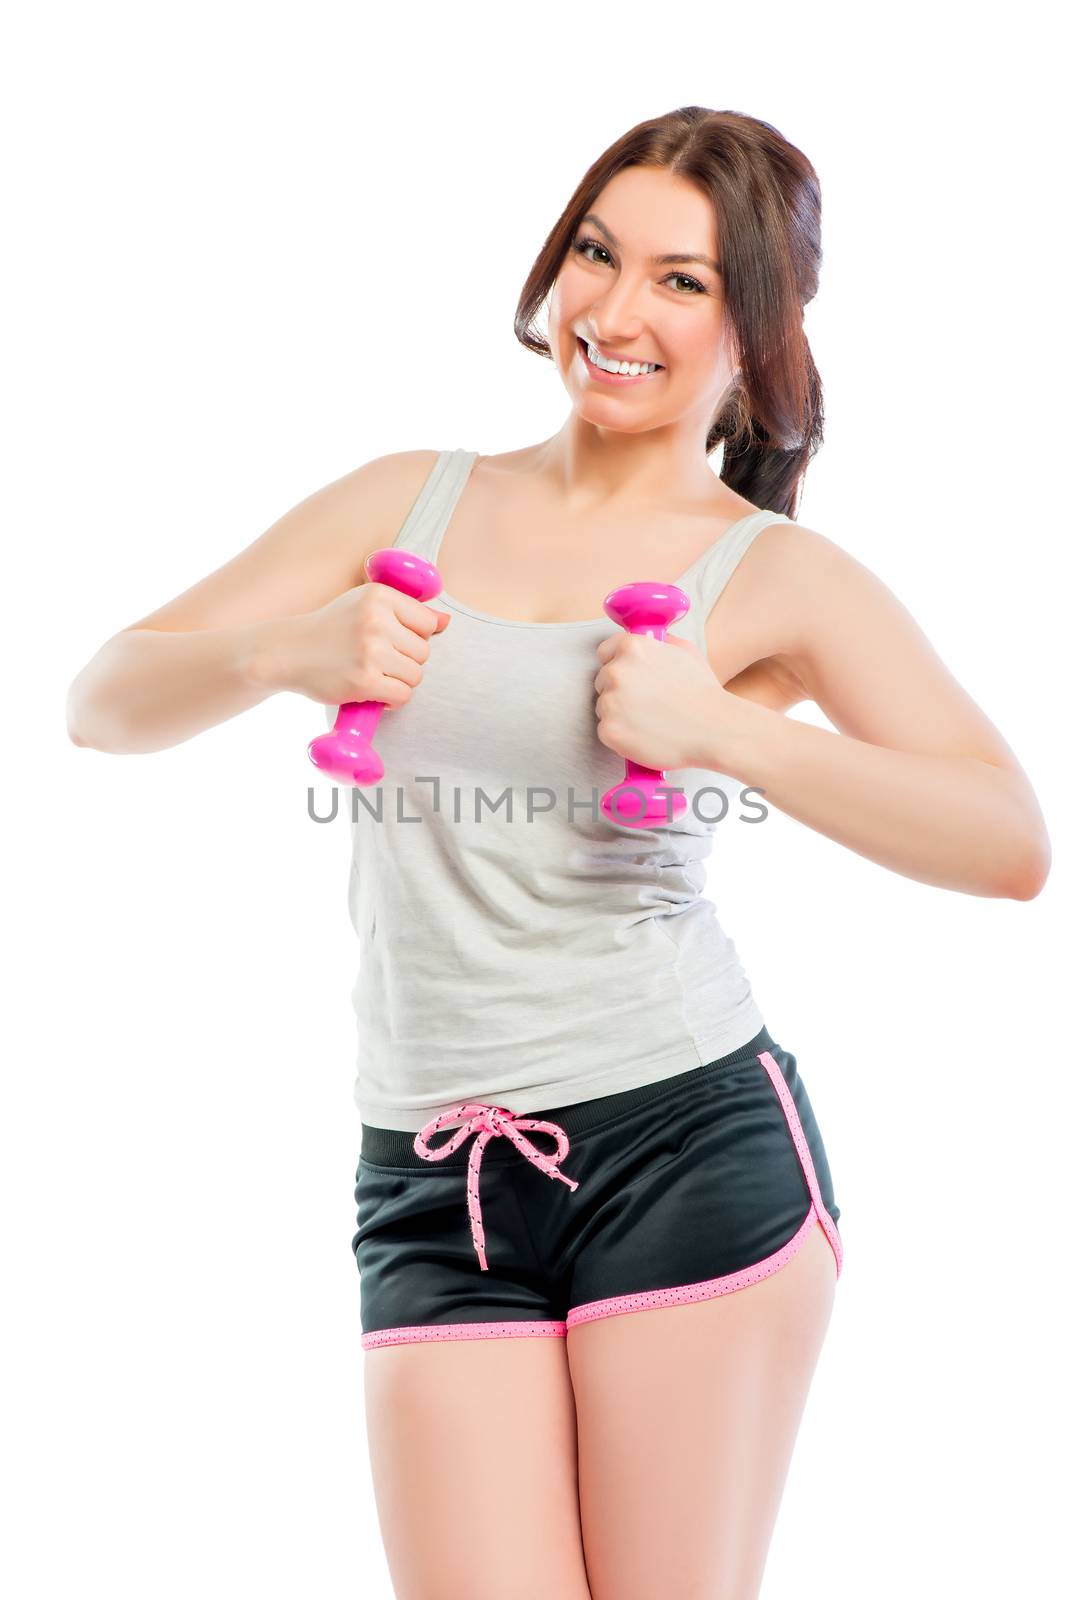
{"points": [[264, 653], [738, 738]]}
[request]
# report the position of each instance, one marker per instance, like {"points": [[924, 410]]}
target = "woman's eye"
{"points": [[590, 244], [684, 277], [583, 245]]}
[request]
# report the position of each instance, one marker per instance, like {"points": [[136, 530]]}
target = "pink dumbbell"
{"points": [[644, 608], [346, 752]]}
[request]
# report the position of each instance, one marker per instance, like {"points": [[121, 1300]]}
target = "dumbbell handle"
{"points": [[647, 608], [346, 753]]}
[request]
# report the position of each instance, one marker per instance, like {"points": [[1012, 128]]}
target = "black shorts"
{"points": [[693, 1186]]}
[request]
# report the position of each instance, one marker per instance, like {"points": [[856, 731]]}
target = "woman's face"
{"points": [[613, 291]]}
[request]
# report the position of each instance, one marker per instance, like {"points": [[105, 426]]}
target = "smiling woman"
{"points": [[637, 1251], [727, 335]]}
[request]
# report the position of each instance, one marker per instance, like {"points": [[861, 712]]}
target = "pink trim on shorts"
{"points": [[817, 1211], [782, 1088], [463, 1330], [593, 1310]]}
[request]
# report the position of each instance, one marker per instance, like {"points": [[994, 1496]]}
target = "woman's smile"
{"points": [[613, 377]]}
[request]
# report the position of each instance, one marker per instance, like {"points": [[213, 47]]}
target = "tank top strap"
{"points": [[422, 529], [715, 569]]}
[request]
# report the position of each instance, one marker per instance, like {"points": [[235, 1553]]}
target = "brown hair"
{"points": [[766, 197]]}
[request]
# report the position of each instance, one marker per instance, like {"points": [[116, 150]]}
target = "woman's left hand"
{"points": [[657, 701]]}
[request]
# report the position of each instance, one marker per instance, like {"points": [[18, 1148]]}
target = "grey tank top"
{"points": [[516, 946]]}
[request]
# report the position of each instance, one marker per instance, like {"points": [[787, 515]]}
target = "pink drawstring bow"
{"points": [[488, 1122]]}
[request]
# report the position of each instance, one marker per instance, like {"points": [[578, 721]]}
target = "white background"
{"points": [[231, 229]]}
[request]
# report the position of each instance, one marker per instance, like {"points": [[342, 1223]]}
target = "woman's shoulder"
{"points": [[790, 575], [387, 487], [400, 469], [797, 569], [801, 554]]}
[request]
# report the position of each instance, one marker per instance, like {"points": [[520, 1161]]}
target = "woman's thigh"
{"points": [[687, 1416], [473, 1460]]}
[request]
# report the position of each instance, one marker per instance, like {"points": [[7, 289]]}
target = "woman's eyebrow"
{"points": [[657, 260]]}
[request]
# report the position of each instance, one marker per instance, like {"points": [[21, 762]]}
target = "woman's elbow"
{"points": [[1031, 877], [73, 731], [88, 725]]}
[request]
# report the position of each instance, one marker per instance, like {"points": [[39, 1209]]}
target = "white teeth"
{"points": [[624, 368]]}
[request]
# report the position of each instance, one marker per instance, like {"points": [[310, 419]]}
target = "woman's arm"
{"points": [[148, 689], [917, 778], [219, 648]]}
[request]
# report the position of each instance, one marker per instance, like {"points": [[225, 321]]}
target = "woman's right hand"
{"points": [[370, 643]]}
